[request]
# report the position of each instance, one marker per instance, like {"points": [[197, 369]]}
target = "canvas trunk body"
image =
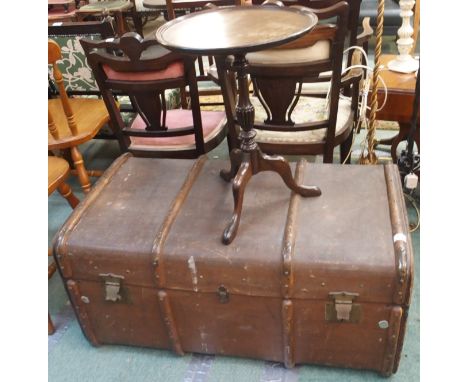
{"points": [[323, 280]]}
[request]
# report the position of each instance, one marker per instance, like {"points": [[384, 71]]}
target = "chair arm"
{"points": [[353, 76], [366, 34]]}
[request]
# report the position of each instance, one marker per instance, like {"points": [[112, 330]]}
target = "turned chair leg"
{"points": [[345, 148], [80, 169], [66, 191], [52, 269], [51, 326]]}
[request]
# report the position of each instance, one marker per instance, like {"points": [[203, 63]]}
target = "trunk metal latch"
{"points": [[112, 286], [223, 294], [343, 309]]}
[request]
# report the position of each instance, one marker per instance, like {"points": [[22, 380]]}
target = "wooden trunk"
{"points": [[324, 280]]}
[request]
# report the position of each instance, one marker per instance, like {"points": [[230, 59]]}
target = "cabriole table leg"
{"points": [[253, 160]]}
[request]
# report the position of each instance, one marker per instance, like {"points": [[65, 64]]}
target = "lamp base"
{"points": [[404, 64]]}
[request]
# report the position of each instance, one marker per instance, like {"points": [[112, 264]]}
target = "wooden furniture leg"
{"points": [[91, 173], [66, 192], [345, 148], [252, 159], [236, 159], [80, 168], [387, 141], [120, 23], [51, 326], [52, 269], [402, 134]]}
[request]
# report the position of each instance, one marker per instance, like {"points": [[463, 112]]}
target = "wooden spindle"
{"points": [[52, 127], [80, 169], [65, 102]]}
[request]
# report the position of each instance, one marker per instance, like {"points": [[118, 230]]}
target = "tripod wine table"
{"points": [[237, 31]]}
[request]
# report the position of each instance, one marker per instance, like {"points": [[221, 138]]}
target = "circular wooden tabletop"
{"points": [[231, 30]]}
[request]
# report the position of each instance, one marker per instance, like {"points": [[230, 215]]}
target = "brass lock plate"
{"points": [[112, 287], [223, 295], [343, 308]]}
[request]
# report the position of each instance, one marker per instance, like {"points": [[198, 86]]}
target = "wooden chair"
{"points": [[206, 73], [72, 121], [145, 70], [188, 6], [144, 13], [78, 78], [296, 50], [279, 90], [116, 8], [62, 10], [58, 173]]}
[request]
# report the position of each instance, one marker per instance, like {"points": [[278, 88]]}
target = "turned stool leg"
{"points": [[80, 169], [51, 326], [66, 191], [52, 269]]}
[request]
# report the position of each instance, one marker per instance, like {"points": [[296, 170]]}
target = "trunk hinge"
{"points": [[343, 309]]}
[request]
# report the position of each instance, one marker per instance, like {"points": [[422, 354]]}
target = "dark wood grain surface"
{"points": [[234, 30]]}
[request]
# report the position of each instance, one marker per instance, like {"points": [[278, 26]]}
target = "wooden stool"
{"points": [[115, 7], [58, 172]]}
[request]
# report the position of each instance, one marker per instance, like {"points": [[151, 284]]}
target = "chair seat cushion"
{"points": [[173, 70], [140, 7], [313, 88], [90, 115], [212, 122], [56, 14], [272, 57], [111, 5], [308, 109], [58, 170]]}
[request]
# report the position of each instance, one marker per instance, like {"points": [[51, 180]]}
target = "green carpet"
{"points": [[72, 358]]}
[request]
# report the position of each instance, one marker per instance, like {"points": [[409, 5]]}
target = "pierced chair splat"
{"points": [[144, 69]]}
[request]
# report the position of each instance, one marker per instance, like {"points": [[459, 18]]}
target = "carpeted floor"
{"points": [[72, 358]]}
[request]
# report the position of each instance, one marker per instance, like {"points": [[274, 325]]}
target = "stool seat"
{"points": [[60, 14], [111, 6]]}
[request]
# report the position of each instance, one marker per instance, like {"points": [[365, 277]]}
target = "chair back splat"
{"points": [[143, 69]]}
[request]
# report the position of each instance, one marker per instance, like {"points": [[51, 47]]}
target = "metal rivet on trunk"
{"points": [[383, 324]]}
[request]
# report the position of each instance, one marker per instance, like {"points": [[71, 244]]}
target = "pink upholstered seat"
{"points": [[174, 70], [59, 14], [212, 122]]}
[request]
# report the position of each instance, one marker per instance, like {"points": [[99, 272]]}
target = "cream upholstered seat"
{"points": [[308, 109], [109, 5], [277, 57], [141, 8]]}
